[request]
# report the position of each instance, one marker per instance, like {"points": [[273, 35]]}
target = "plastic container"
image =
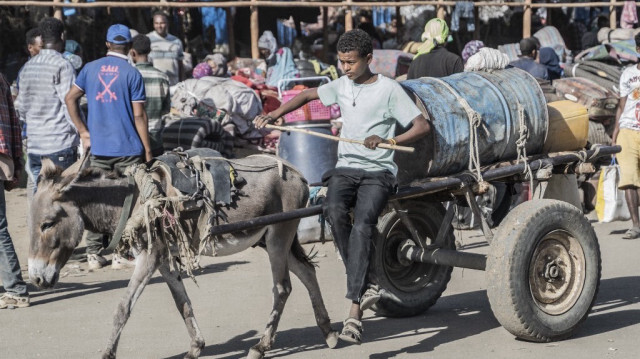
{"points": [[312, 111], [568, 127], [311, 155], [495, 96]]}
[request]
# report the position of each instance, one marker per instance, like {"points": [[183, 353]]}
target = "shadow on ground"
{"points": [[66, 289], [453, 318]]}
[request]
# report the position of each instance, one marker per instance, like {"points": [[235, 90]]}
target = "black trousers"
{"points": [[367, 193]]}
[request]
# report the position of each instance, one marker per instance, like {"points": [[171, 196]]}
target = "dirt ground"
{"points": [[232, 302]]}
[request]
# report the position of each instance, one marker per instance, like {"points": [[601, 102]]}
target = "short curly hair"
{"points": [[142, 44], [51, 30], [355, 40]]}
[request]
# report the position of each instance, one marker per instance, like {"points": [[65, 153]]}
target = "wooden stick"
{"points": [[336, 138]]}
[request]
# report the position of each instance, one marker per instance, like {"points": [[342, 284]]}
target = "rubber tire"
{"points": [[508, 263], [403, 302]]}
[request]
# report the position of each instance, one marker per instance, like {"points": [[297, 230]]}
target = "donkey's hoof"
{"points": [[254, 354], [332, 339]]}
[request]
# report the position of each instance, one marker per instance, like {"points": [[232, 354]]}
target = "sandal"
{"points": [[632, 233], [352, 331], [370, 297]]}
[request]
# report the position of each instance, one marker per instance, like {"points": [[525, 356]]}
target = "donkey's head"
{"points": [[56, 224]]}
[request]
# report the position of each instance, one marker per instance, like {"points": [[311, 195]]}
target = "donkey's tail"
{"points": [[300, 254]]}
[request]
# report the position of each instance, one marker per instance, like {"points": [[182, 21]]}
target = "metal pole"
{"points": [[443, 257]]}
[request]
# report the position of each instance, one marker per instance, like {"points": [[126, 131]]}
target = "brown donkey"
{"points": [[67, 203]]}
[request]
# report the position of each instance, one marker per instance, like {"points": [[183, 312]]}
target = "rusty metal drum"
{"points": [[497, 96]]}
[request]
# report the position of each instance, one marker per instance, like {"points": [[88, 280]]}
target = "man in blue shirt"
{"points": [[117, 124], [527, 60]]}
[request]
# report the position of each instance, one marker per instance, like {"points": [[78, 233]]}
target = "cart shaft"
{"points": [[440, 256]]}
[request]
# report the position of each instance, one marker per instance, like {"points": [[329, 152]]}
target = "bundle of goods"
{"points": [[599, 101], [312, 67], [390, 63], [511, 50], [618, 52], [549, 36], [605, 75], [238, 100], [607, 35], [197, 132], [509, 103]]}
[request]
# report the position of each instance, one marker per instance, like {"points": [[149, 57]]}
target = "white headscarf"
{"points": [[268, 41]]}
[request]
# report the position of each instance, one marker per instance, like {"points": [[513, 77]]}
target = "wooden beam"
{"points": [[57, 10], [231, 33], [255, 32], [526, 20], [348, 17], [613, 14], [441, 11], [325, 34], [273, 3]]}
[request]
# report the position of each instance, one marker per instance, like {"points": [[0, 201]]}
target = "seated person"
{"points": [[527, 60]]}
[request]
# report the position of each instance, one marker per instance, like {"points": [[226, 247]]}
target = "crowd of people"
{"points": [[128, 92]]}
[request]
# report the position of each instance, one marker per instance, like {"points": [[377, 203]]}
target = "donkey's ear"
{"points": [[49, 171]]}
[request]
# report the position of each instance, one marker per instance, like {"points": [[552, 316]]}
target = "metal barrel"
{"points": [[311, 155], [497, 96]]}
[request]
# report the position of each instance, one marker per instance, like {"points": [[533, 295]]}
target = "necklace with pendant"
{"points": [[353, 95]]}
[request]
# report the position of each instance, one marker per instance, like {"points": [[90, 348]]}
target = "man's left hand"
{"points": [[373, 141]]}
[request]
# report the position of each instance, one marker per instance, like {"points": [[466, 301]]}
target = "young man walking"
{"points": [[44, 81], [117, 129], [627, 134], [364, 177], [16, 294]]}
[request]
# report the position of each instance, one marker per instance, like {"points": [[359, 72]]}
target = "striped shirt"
{"points": [[156, 86], [44, 82], [10, 141], [166, 54]]}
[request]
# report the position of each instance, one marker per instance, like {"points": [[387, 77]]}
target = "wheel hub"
{"points": [[557, 272]]}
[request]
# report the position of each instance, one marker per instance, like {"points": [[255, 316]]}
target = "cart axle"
{"points": [[447, 257]]}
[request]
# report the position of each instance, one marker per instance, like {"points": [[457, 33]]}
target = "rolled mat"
{"points": [[195, 132]]}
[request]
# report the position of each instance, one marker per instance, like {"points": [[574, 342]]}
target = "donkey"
{"points": [[67, 203]]}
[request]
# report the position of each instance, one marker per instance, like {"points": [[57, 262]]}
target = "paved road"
{"points": [[233, 300]]}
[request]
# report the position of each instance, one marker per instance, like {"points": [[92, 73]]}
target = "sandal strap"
{"points": [[353, 321]]}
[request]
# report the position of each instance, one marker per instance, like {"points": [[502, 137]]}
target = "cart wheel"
{"points": [[543, 270], [411, 288]]}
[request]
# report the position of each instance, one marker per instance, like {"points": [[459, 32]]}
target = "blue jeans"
{"points": [[64, 159], [9, 266], [367, 193]]}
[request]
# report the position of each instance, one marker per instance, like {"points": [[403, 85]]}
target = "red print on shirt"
{"points": [[107, 95]]}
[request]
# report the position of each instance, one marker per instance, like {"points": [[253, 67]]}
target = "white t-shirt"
{"points": [[630, 88], [166, 53], [378, 106]]}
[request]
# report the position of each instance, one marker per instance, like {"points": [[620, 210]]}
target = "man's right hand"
{"points": [[262, 120], [86, 141]]}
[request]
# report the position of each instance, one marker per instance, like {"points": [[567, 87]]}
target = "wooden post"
{"points": [[526, 20], [348, 17], [57, 10], [255, 31], [325, 34], [441, 12], [399, 25], [613, 14], [231, 33]]}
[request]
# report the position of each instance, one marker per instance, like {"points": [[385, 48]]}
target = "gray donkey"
{"points": [[67, 203]]}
